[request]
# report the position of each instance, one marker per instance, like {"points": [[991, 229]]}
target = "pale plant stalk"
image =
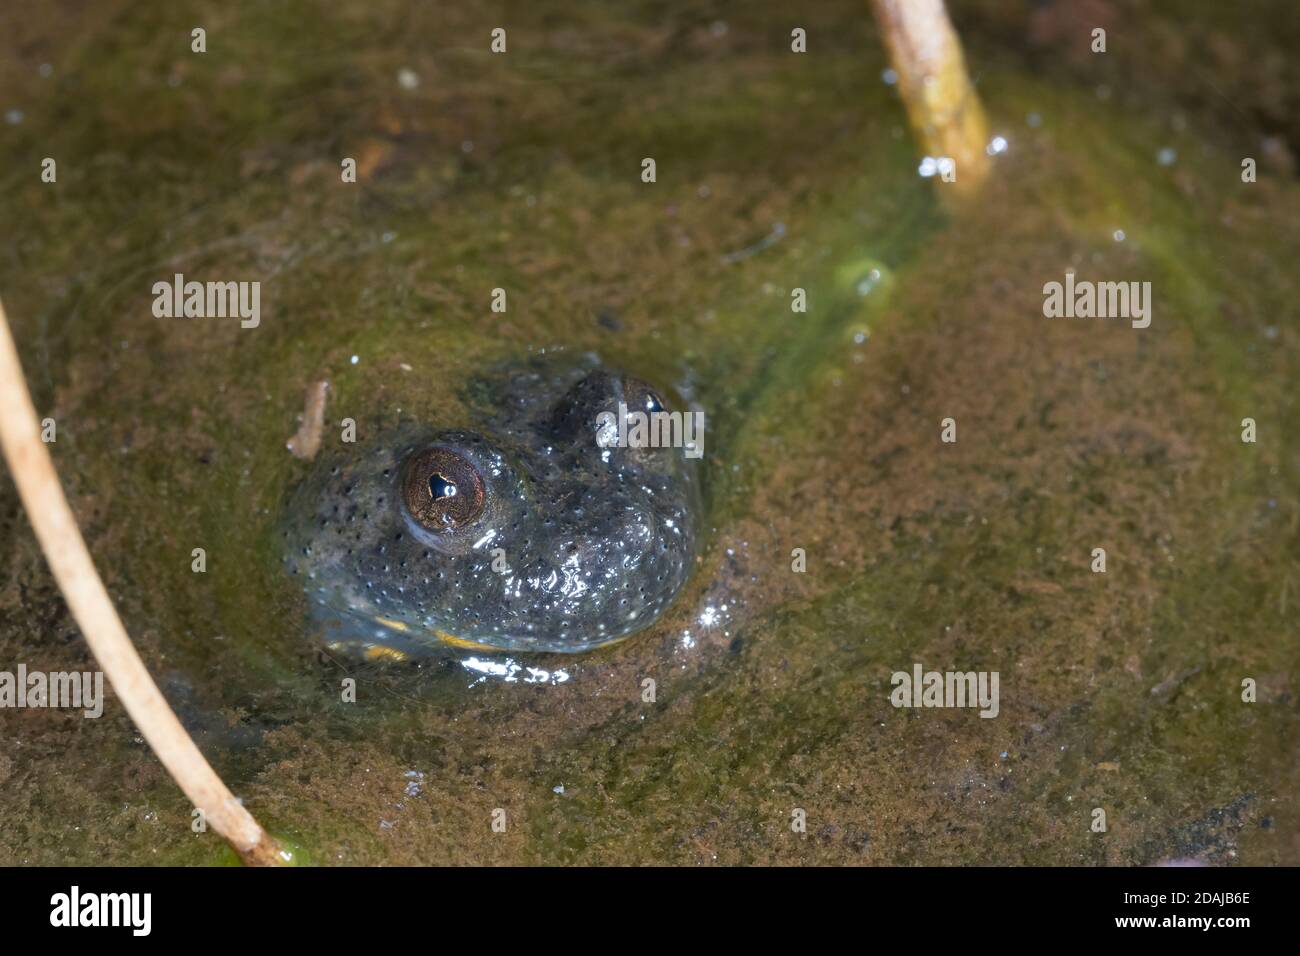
{"points": [[65, 549], [942, 107]]}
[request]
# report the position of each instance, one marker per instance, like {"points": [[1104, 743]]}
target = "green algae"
{"points": [[1119, 691]]}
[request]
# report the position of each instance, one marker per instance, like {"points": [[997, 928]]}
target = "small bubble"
{"points": [[1167, 156], [868, 282], [889, 76], [407, 78], [14, 117], [1120, 235], [356, 359]]}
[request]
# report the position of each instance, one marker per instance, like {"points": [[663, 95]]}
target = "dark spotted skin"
{"points": [[595, 541]]}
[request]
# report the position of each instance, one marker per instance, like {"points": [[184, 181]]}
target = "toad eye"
{"points": [[641, 397], [442, 490]]}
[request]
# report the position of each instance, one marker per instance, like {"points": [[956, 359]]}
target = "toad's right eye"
{"points": [[442, 490]]}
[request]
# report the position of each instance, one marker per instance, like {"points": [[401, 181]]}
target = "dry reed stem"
{"points": [[56, 530], [942, 106]]}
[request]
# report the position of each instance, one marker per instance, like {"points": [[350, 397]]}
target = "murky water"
{"points": [[775, 171]]}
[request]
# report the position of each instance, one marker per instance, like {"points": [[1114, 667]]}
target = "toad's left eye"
{"points": [[442, 490], [641, 397]]}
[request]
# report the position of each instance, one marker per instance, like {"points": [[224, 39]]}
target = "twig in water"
{"points": [[942, 107], [65, 549]]}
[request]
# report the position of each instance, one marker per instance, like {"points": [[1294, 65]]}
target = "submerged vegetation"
{"points": [[776, 171]]}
